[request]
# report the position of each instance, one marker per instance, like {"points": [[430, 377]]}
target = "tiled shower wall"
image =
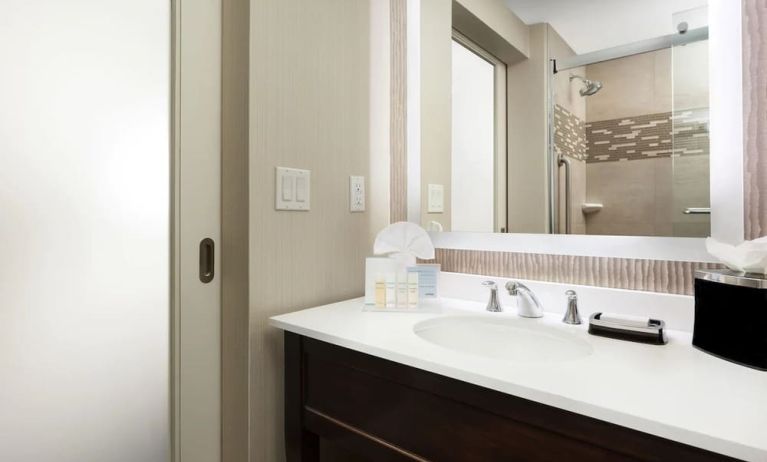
{"points": [[644, 169]]}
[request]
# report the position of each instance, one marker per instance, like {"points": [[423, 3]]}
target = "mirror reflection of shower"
{"points": [[590, 87], [633, 160]]}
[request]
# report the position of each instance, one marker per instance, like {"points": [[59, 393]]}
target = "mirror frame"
{"points": [[726, 138]]}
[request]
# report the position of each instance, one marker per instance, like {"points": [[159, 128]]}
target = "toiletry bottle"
{"points": [[402, 290], [380, 289], [412, 290], [391, 291]]}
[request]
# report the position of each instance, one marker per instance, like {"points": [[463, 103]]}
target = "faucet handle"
{"points": [[514, 286], [572, 316], [493, 304]]}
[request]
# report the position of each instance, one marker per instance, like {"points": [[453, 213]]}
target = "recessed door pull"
{"points": [[207, 260]]}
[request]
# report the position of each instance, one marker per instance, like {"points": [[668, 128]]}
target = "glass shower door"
{"points": [[691, 205]]}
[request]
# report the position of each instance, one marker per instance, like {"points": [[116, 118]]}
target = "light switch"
{"points": [[436, 198], [300, 189], [287, 188], [356, 193], [292, 189]]}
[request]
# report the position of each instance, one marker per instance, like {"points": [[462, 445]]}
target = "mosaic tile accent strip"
{"points": [[648, 136], [569, 133]]}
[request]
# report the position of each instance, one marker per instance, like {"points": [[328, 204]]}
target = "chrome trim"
{"points": [[568, 165], [733, 278], [697, 211], [493, 305], [571, 315], [655, 327], [644, 46], [551, 161]]}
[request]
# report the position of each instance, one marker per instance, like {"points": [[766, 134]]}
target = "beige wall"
{"points": [[436, 100], [309, 108], [528, 138], [494, 27]]}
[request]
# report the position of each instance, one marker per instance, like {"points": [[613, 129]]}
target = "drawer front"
{"points": [[430, 426]]}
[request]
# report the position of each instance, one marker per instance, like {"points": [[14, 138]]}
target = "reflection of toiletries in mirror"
{"points": [[402, 301], [391, 291], [412, 290], [380, 291], [433, 226]]}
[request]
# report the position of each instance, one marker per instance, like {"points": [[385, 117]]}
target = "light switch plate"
{"points": [[356, 193], [292, 189], [436, 198]]}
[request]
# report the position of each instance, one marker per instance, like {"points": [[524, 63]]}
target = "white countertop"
{"points": [[674, 391]]}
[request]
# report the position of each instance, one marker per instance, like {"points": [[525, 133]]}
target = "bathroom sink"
{"points": [[508, 339]]}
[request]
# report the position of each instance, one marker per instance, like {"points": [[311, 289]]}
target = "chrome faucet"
{"points": [[572, 316], [528, 305], [493, 304]]}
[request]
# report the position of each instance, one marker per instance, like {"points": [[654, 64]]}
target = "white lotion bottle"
{"points": [[391, 291], [402, 301], [412, 290]]}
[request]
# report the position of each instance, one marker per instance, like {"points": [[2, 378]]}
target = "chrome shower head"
{"points": [[590, 86]]}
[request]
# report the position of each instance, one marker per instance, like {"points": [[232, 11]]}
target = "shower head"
{"points": [[589, 86]]}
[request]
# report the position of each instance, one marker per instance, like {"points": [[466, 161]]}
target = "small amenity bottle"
{"points": [[391, 291], [412, 290], [402, 301], [380, 291]]}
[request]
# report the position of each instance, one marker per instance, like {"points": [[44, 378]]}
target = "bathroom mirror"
{"points": [[565, 117]]}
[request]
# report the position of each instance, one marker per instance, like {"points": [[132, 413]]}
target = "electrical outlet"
{"points": [[356, 193], [436, 202]]}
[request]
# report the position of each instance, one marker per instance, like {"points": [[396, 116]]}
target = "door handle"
{"points": [[207, 260]]}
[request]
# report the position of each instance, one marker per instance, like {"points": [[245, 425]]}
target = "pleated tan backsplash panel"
{"points": [[398, 114], [618, 273], [755, 116]]}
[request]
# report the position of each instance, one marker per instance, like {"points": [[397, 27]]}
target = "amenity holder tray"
{"points": [[654, 332]]}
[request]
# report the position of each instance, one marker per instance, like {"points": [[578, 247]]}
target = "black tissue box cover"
{"points": [[731, 319]]}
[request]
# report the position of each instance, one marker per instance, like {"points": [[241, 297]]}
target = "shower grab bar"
{"points": [[697, 211], [566, 162]]}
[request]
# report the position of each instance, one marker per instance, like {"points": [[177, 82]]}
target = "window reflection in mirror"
{"points": [[478, 144]]}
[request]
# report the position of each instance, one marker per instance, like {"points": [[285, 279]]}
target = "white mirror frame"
{"points": [[726, 135]]}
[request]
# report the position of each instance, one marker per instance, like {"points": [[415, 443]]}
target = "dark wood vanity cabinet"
{"points": [[379, 410]]}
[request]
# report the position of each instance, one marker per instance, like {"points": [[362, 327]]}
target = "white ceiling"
{"points": [[590, 25]]}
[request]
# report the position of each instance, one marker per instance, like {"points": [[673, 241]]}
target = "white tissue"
{"points": [[749, 257], [625, 320], [404, 238]]}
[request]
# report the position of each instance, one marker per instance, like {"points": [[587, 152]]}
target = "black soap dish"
{"points": [[654, 332]]}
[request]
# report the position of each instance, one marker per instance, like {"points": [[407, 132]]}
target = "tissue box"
{"points": [[731, 316]]}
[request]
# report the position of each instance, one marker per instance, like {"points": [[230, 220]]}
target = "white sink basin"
{"points": [[504, 338]]}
